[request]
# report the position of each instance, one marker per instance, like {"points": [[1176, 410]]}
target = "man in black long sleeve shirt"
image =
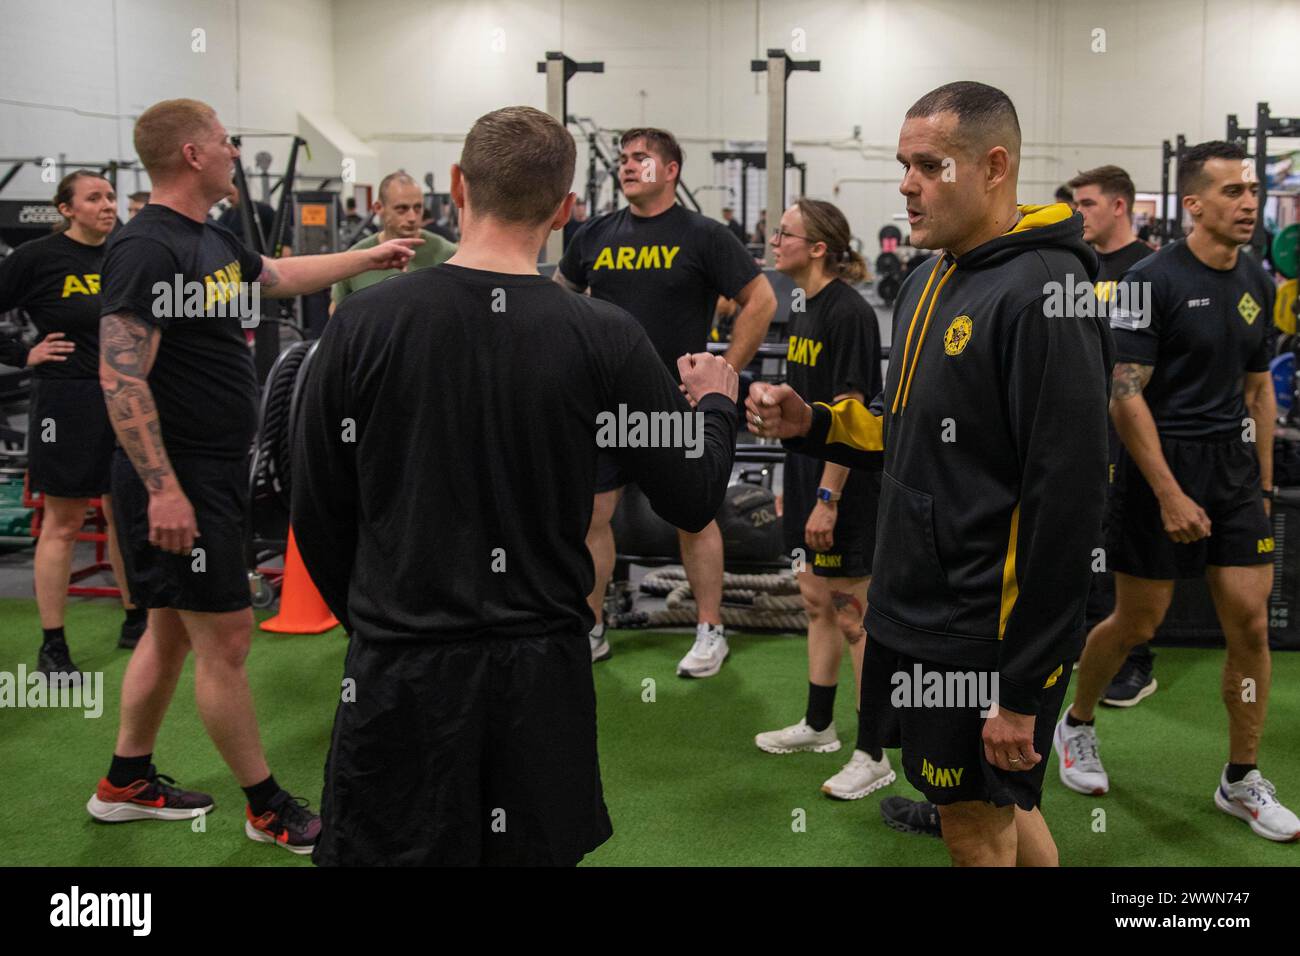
{"points": [[444, 476]]}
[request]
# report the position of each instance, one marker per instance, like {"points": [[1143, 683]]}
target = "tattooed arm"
{"points": [[1185, 521], [127, 349]]}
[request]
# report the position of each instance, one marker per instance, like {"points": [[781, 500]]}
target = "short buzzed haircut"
{"points": [[401, 176], [518, 164], [164, 128], [141, 196], [1191, 171], [986, 117], [660, 140], [1112, 181]]}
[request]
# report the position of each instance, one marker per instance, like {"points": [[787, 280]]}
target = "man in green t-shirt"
{"points": [[401, 210]]}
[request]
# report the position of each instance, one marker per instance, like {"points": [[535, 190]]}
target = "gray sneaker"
{"points": [[600, 649], [707, 653], [798, 738], [1080, 763]]}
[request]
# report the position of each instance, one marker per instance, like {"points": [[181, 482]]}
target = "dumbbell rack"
{"points": [[97, 520]]}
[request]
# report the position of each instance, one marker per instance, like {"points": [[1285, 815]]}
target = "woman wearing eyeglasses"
{"points": [[830, 511]]}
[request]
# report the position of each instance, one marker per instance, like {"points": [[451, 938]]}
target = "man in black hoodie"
{"points": [[993, 431], [442, 508]]}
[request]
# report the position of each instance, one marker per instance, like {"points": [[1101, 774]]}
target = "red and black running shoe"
{"points": [[154, 798], [288, 823]]}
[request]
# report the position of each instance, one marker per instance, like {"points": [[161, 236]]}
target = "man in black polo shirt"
{"points": [[1193, 404], [182, 397], [471, 736], [1104, 196], [667, 266]]}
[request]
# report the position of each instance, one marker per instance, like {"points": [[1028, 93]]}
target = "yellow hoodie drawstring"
{"points": [[905, 378]]}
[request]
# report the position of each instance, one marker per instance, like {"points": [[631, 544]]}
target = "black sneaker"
{"points": [[911, 816], [1134, 682], [131, 633], [288, 823], [55, 661]]}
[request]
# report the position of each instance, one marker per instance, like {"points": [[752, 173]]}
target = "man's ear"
{"points": [[190, 156], [565, 211], [998, 163], [457, 186]]}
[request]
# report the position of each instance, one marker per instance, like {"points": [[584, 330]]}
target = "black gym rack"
{"points": [[752, 159], [1266, 125]]}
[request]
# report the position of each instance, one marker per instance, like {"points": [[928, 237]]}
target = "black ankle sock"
{"points": [[136, 615], [52, 635], [1237, 771], [127, 770], [262, 795], [867, 742], [821, 706], [1073, 721]]}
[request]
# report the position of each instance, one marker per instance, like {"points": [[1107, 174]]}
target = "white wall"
{"points": [[409, 76], [75, 73], [411, 83]]}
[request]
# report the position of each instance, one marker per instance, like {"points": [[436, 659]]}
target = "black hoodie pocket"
{"points": [[908, 580]]}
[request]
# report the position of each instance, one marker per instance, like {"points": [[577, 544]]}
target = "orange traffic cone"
{"points": [[302, 609]]}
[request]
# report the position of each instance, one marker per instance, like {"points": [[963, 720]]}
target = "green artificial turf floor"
{"points": [[684, 782]]}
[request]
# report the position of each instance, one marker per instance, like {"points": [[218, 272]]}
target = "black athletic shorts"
{"points": [[854, 539], [69, 438], [943, 750], [472, 752], [1222, 477], [214, 576], [610, 475]]}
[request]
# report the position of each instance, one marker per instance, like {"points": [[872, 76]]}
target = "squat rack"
{"points": [[1170, 225], [750, 159], [266, 336], [108, 170], [1266, 125], [559, 69]]}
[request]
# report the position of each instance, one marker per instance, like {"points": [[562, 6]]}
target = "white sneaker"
{"points": [[1080, 763], [1254, 800], [797, 738], [860, 776], [600, 650], [706, 654]]}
